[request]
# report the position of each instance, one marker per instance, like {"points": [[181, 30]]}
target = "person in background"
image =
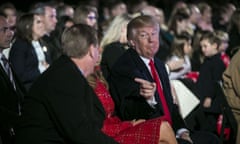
{"points": [[231, 88], [86, 14], [111, 10], [181, 50], [205, 22], [48, 13], [209, 75], [114, 43], [11, 13], [27, 55], [61, 107], [234, 33], [65, 10], [63, 23], [223, 36], [12, 92]]}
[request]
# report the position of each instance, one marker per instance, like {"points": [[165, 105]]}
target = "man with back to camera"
{"points": [[61, 107]]}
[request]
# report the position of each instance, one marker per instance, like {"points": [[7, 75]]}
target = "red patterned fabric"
{"points": [[225, 58], [123, 131]]}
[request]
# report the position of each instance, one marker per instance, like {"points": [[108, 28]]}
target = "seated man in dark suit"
{"points": [[132, 96], [61, 107], [11, 91]]}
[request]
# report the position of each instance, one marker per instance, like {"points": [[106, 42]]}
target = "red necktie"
{"points": [[160, 91]]}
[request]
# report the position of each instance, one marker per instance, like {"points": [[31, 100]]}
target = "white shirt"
{"points": [[186, 67], [40, 56], [1, 60], [153, 101]]}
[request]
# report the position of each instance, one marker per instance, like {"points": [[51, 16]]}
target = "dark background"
{"points": [[23, 5]]}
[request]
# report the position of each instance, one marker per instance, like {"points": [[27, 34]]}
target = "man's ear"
{"points": [[91, 51], [131, 43]]}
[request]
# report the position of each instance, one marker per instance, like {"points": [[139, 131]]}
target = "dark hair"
{"points": [[7, 5], [211, 37], [177, 46], [180, 15], [113, 4], [3, 14], [39, 8], [81, 12], [24, 27]]}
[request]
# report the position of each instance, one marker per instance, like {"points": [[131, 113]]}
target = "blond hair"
{"points": [[113, 33]]}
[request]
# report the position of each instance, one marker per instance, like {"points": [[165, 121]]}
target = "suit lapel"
{"points": [[141, 65]]}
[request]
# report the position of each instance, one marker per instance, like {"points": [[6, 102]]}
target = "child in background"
{"points": [[181, 50], [210, 74], [223, 36]]}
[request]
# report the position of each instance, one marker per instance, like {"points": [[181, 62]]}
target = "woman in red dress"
{"points": [[154, 131]]}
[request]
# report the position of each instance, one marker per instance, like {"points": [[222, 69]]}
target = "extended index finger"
{"points": [[140, 80]]}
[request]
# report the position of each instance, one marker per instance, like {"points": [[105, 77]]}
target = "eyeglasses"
{"points": [[5, 29], [92, 17]]}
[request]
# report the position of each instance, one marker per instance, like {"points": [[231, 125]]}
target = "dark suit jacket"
{"points": [[10, 99], [25, 62], [53, 46], [62, 108], [125, 90], [209, 75], [110, 54]]}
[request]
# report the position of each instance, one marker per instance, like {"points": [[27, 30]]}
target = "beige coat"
{"points": [[231, 88]]}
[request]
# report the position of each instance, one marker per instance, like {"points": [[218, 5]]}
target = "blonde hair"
{"points": [[96, 75], [223, 36], [81, 13], [113, 33]]}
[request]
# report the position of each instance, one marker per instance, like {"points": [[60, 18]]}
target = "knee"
{"points": [[165, 126]]}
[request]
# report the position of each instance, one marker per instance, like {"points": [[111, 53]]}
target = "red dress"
{"points": [[123, 131]]}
